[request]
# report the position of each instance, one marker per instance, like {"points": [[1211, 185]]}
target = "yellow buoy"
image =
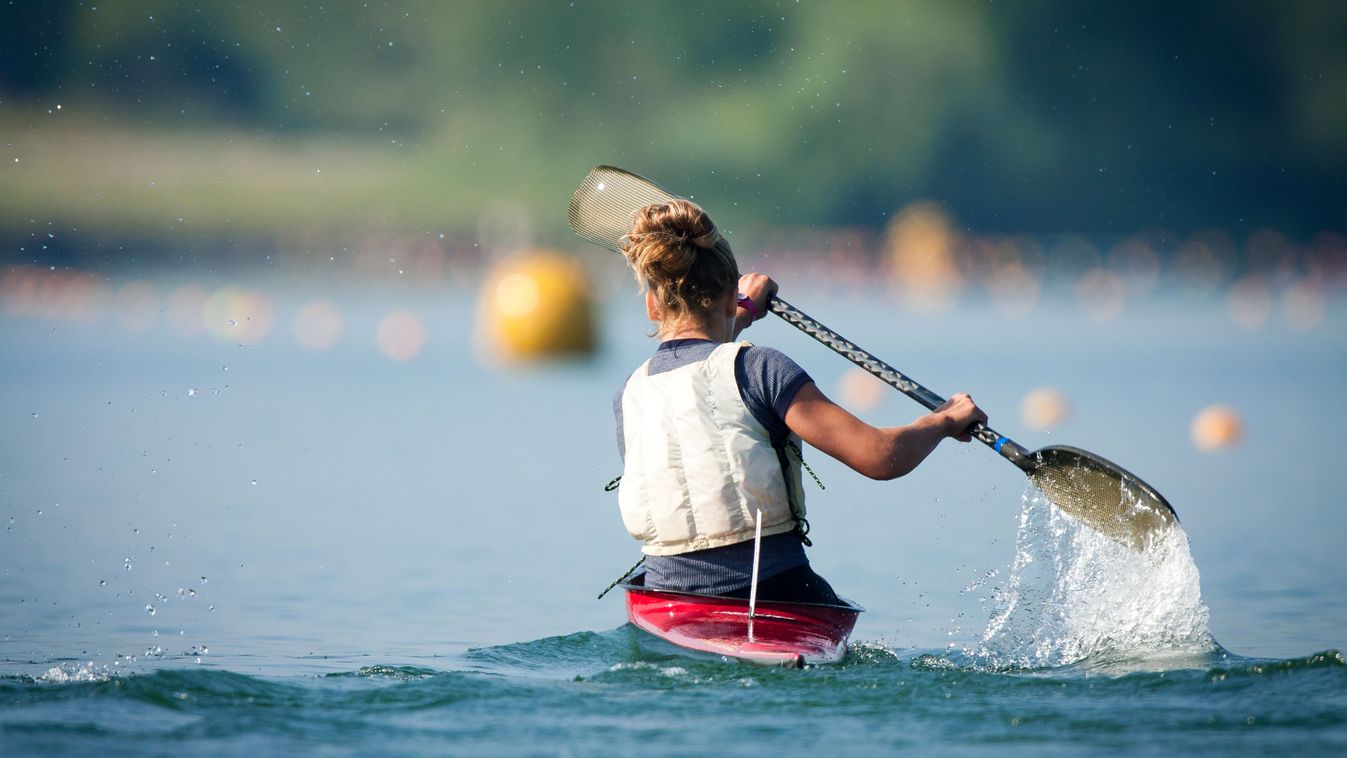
{"points": [[537, 306], [920, 246], [1216, 427], [1044, 408]]}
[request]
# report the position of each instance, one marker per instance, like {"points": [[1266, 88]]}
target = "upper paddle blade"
{"points": [[601, 209], [1103, 495]]}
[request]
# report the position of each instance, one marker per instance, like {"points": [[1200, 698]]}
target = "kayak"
{"points": [[779, 634]]}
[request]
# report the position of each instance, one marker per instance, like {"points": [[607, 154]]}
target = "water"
{"points": [[608, 693], [351, 553], [1075, 595]]}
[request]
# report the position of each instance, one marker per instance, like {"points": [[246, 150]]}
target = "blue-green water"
{"points": [[215, 545], [614, 692]]}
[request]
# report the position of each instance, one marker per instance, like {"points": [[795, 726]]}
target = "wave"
{"points": [[622, 701]]}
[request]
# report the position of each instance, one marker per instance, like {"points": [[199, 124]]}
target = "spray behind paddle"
{"points": [[1075, 596]]}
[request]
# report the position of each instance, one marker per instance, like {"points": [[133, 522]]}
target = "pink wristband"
{"points": [[747, 304]]}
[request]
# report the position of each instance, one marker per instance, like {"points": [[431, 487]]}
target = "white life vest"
{"points": [[698, 464]]}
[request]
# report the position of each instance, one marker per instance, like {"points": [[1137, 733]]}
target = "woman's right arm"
{"points": [[877, 452]]}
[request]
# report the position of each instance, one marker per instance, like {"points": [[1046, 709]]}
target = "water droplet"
{"points": [[150, 610], [224, 368], [191, 391], [135, 531], [191, 592], [232, 322], [102, 582], [254, 484], [35, 415], [203, 580]]}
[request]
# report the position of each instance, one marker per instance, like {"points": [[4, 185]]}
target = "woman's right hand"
{"points": [[958, 414], [759, 288]]}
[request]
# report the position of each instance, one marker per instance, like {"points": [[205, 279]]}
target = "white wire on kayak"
{"points": [[753, 587]]}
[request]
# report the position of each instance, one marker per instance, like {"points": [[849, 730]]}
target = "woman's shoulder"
{"points": [[761, 359], [768, 381]]}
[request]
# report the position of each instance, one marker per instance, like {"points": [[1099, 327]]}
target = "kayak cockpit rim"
{"points": [[637, 584]]}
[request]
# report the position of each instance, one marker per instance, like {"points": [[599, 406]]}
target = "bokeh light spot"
{"points": [[318, 325], [517, 295], [236, 315], [1303, 305], [1101, 293], [1250, 301], [401, 335]]}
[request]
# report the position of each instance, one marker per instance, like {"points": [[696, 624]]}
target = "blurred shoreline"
{"points": [[920, 262]]}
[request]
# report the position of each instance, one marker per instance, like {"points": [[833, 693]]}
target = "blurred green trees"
{"points": [[1041, 116]]}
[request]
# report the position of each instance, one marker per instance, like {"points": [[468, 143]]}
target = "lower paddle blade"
{"points": [[1103, 495], [601, 209]]}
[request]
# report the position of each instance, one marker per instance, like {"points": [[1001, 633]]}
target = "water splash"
{"points": [[82, 672], [1075, 596]]}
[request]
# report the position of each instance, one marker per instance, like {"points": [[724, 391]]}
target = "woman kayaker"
{"points": [[709, 428]]}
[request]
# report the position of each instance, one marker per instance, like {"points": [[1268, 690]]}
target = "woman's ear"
{"points": [[651, 306]]}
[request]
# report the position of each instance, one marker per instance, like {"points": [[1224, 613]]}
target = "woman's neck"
{"points": [[720, 324], [690, 332]]}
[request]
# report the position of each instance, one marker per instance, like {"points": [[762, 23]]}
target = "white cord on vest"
{"points": [[753, 588]]}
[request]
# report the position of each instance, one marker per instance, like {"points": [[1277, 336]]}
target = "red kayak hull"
{"points": [[779, 634]]}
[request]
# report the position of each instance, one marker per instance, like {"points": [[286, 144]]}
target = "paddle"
{"points": [[1101, 494]]}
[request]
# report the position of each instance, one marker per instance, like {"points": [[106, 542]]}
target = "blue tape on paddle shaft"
{"points": [[1000, 442]]}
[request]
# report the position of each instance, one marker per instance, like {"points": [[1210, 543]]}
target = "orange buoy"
{"points": [[1217, 427], [1044, 408], [861, 390]]}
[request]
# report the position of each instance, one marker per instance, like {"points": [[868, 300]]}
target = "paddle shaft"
{"points": [[1007, 448]]}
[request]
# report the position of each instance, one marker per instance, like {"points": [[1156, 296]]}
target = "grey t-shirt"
{"points": [[768, 381]]}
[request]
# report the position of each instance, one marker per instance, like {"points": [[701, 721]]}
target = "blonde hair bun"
{"points": [[677, 251]]}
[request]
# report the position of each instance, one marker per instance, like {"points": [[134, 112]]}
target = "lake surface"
{"points": [[219, 541]]}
